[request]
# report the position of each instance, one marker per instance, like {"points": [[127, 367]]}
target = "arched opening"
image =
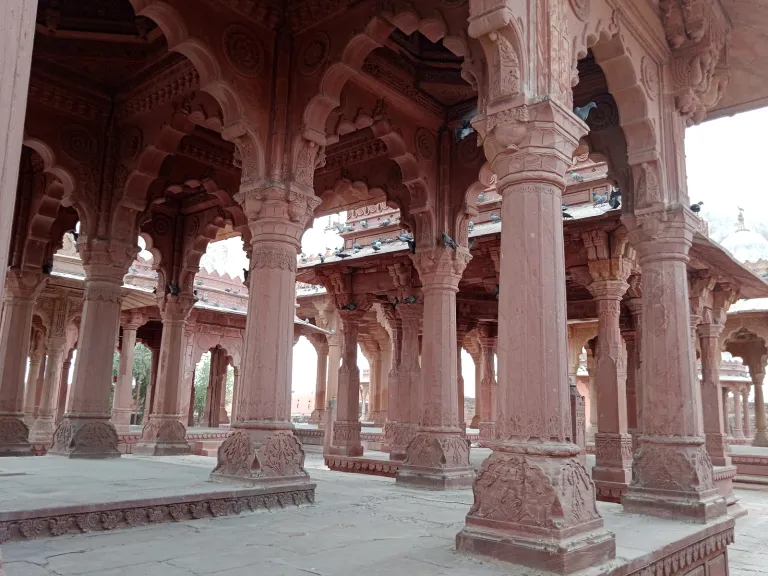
{"points": [[213, 390]]}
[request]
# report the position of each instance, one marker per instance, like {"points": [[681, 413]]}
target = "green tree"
{"points": [[202, 376], [142, 372]]}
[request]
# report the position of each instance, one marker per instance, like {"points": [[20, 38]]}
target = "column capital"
{"points": [[441, 267], [132, 320], [24, 284], [608, 289], [710, 330], [661, 233], [175, 308], [106, 260]]}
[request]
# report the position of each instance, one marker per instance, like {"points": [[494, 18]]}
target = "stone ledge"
{"points": [[750, 468], [46, 523], [386, 468]]}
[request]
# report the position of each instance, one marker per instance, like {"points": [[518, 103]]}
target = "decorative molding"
{"points": [[243, 51], [170, 83], [386, 468]]}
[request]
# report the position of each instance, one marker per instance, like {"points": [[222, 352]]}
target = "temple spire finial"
{"points": [[742, 227]]}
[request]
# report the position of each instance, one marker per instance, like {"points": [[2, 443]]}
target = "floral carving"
{"points": [[90, 438], [236, 455], [659, 294], [425, 144], [273, 257], [13, 431], [684, 468], [426, 451], [649, 73], [131, 144], [613, 449], [31, 528], [110, 520], [282, 455], [86, 522], [60, 525], [243, 51], [313, 54], [647, 187], [505, 71], [580, 8], [78, 143]]}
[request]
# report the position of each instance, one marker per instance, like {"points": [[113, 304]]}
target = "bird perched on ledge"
{"points": [[575, 176], [448, 242], [495, 217], [566, 216], [696, 208], [615, 200], [583, 111]]}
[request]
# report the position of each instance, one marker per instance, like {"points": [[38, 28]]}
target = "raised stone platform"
{"points": [[751, 464], [49, 496]]}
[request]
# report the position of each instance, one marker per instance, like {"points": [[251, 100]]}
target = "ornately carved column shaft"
{"points": [[726, 410], [33, 377], [318, 414], [346, 428], [738, 413], [761, 430], [489, 388], [45, 424], [746, 424], [408, 380], [63, 387], [712, 394], [477, 418], [121, 404]]}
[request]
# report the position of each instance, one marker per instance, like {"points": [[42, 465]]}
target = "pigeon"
{"points": [[410, 300], [496, 292], [481, 197], [364, 223], [388, 240], [395, 302], [376, 245], [464, 130], [245, 274], [356, 246], [322, 258], [339, 227], [696, 208], [412, 246], [403, 237], [350, 306], [154, 290], [471, 226], [470, 243], [385, 222], [303, 257], [495, 217], [448, 241], [337, 250], [47, 268], [583, 111], [75, 235], [348, 228], [194, 292], [343, 255], [615, 200], [173, 289], [598, 199], [566, 215], [575, 176]]}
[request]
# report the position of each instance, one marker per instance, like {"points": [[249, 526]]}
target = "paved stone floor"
{"points": [[359, 525]]}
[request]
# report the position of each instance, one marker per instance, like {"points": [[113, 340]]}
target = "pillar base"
{"points": [[397, 436], [317, 417], [163, 436], [85, 438], [717, 449], [673, 478], [535, 506], [121, 420], [436, 461], [612, 472], [475, 421], [42, 431], [487, 431], [346, 439], [14, 437], [256, 457], [760, 439]]}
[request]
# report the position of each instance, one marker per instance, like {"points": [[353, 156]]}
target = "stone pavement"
{"points": [[359, 525]]}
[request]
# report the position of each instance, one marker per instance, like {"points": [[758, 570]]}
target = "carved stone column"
{"points": [[712, 393], [536, 465], [21, 291], [592, 383], [726, 412], [438, 456], [461, 332], [63, 387], [346, 428], [321, 347], [149, 401], [391, 426], [672, 472], [613, 444], [86, 430], [757, 373], [381, 415], [745, 404], [235, 388], [18, 32], [164, 432], [478, 416], [262, 449], [45, 424], [487, 339], [738, 413], [36, 365], [408, 381], [635, 415], [121, 404]]}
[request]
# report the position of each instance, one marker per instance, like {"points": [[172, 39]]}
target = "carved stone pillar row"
{"points": [[45, 424], [478, 416], [613, 444], [712, 394], [488, 341], [438, 456], [262, 449], [757, 373], [738, 413], [121, 403], [86, 430], [672, 472], [346, 428], [36, 367], [63, 386], [408, 381], [321, 347], [18, 32], [164, 432], [635, 414], [746, 424], [535, 463], [592, 383], [21, 291]]}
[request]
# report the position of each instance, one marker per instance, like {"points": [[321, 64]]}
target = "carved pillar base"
{"points": [[85, 438], [262, 457], [163, 435], [537, 510], [398, 435], [42, 430], [487, 431], [673, 478], [579, 423], [14, 435], [612, 472], [346, 439], [717, 448], [437, 461], [760, 439], [317, 417], [475, 420], [121, 420]]}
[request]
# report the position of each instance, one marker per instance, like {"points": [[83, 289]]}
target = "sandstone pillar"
{"points": [[164, 432], [591, 368], [149, 400], [385, 363], [408, 380], [391, 426], [726, 412], [672, 472], [757, 373], [747, 425], [613, 444], [235, 388], [21, 291], [63, 387], [523, 509], [86, 431], [487, 340], [634, 365], [121, 403], [438, 456], [346, 428], [17, 29], [262, 449], [460, 386], [712, 394], [321, 347], [738, 413], [478, 416], [334, 363], [36, 367]]}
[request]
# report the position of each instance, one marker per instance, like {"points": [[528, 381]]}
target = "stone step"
{"points": [[207, 447]]}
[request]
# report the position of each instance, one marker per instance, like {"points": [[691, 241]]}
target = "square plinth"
{"points": [[430, 479]]}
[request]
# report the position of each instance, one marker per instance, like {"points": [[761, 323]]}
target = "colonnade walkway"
{"points": [[357, 525]]}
